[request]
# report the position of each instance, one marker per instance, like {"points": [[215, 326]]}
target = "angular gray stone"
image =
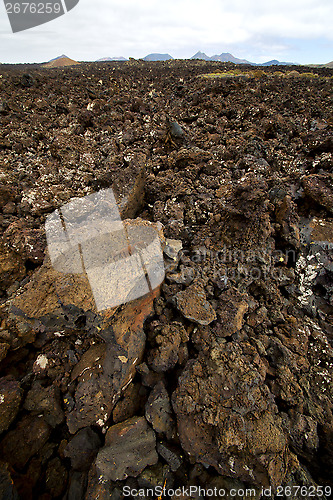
{"points": [[82, 449], [129, 448], [171, 457], [158, 410], [172, 248]]}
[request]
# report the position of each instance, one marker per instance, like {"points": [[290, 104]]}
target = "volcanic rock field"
{"points": [[221, 376]]}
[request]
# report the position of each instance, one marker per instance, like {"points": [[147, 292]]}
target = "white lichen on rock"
{"points": [[42, 361], [307, 270]]}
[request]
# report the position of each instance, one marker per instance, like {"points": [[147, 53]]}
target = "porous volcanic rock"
{"points": [[227, 417], [193, 305], [11, 267], [168, 339]]}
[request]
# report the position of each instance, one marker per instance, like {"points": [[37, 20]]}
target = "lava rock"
{"points": [[22, 443], [68, 288], [171, 456], [166, 355], [9, 208], [172, 248], [82, 449], [321, 232], [77, 485], [11, 267], [4, 108], [7, 195], [184, 277], [130, 404], [85, 119], [149, 378], [232, 306], [29, 243], [192, 303], [189, 156], [129, 448], [4, 347], [302, 431], [10, 399], [129, 185], [114, 366], [287, 217], [175, 129], [222, 424], [55, 478], [7, 488], [158, 410], [27, 80], [45, 400], [319, 188]]}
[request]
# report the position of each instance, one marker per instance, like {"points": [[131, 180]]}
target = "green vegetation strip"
{"points": [[257, 73]]}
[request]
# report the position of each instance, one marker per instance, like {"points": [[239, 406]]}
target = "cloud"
{"points": [[107, 27]]}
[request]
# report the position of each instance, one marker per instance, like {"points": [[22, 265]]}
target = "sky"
{"points": [[257, 30]]}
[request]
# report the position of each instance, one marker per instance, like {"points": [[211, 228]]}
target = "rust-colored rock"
{"points": [[11, 267], [286, 216], [193, 304], [7, 195], [231, 309], [27, 242], [107, 369]]}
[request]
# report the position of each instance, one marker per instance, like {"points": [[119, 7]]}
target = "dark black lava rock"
{"points": [[7, 488], [83, 448]]}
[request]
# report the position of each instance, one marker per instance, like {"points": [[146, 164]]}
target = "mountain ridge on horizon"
{"points": [[223, 57], [116, 58], [155, 56], [228, 57]]}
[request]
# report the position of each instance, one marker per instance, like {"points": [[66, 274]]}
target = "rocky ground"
{"points": [[222, 376]]}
